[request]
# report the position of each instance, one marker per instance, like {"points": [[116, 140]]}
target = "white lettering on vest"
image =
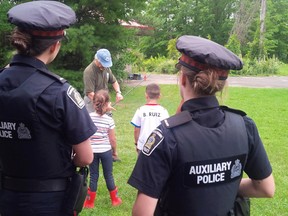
{"points": [[7, 125], [211, 178], [210, 168], [6, 134]]}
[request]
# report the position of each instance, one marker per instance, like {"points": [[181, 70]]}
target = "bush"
{"points": [[269, 66], [167, 67], [160, 64], [75, 78]]}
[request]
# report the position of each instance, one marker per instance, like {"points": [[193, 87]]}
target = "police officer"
{"points": [[192, 164], [44, 126]]}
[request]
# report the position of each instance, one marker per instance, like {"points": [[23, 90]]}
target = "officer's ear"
{"points": [[183, 78], [54, 46]]}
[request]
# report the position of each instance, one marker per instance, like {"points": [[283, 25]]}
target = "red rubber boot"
{"points": [[115, 200], [90, 198]]}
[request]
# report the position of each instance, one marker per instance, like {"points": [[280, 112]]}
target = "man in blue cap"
{"points": [[44, 126], [97, 75], [193, 163]]}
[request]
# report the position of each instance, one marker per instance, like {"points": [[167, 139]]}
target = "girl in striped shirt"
{"points": [[104, 144]]}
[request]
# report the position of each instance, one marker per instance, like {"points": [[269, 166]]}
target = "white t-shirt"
{"points": [[147, 118], [100, 140]]}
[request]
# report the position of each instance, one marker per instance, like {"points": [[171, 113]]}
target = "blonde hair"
{"points": [[205, 82], [100, 101]]}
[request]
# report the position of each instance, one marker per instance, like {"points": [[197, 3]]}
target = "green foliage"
{"points": [[283, 70], [269, 66], [75, 78], [196, 18], [134, 58], [76, 51], [118, 68], [5, 30], [276, 41], [173, 53], [234, 45], [160, 64]]}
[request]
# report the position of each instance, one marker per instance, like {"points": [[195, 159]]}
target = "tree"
{"points": [[173, 18], [262, 28], [5, 30], [97, 27], [244, 18]]}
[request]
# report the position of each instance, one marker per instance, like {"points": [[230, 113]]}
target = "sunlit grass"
{"points": [[267, 107]]}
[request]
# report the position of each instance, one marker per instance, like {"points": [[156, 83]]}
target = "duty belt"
{"points": [[34, 185]]}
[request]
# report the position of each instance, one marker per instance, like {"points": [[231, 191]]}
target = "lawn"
{"points": [[268, 108]]}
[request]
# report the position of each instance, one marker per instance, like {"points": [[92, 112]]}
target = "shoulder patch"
{"points": [[239, 112], [75, 96], [178, 119], [155, 138]]}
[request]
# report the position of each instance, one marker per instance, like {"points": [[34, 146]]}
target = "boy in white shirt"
{"points": [[148, 116]]}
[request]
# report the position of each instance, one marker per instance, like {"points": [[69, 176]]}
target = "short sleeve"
{"points": [[77, 124], [111, 123], [257, 166], [136, 120], [112, 78], [153, 168], [89, 80]]}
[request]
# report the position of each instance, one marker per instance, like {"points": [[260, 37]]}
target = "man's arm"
{"points": [[116, 87], [83, 153], [90, 95], [144, 205], [257, 188]]}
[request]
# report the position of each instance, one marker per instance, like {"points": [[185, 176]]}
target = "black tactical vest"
{"points": [[30, 148], [209, 167]]}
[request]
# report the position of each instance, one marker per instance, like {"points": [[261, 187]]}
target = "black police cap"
{"points": [[200, 54], [42, 16]]}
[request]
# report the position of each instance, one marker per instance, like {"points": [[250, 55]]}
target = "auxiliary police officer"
{"points": [[192, 164], [44, 125]]}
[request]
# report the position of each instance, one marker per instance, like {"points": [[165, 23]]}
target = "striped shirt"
{"points": [[100, 139]]}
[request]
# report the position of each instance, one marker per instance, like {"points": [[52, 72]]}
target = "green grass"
{"points": [[283, 70], [267, 107]]}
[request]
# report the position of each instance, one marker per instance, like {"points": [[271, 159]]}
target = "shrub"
{"points": [[167, 67], [267, 66], [160, 64]]}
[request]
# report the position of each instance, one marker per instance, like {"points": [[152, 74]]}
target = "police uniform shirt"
{"points": [[154, 169], [59, 108]]}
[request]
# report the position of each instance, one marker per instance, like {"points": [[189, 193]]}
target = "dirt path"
{"points": [[253, 82]]}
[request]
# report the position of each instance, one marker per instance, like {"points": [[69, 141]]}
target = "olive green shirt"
{"points": [[95, 79]]}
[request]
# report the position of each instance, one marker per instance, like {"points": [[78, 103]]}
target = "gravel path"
{"points": [[253, 82]]}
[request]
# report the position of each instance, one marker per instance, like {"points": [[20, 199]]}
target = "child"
{"points": [[104, 146], [148, 116]]}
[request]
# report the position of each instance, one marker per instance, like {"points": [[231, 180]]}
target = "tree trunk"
{"points": [[262, 28]]}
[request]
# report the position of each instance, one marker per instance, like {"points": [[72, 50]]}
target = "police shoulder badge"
{"points": [[155, 138], [75, 96]]}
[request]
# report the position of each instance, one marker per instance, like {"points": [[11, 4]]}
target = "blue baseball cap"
{"points": [[104, 57]]}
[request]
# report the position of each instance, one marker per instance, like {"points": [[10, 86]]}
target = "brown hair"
{"points": [[100, 101], [153, 91], [26, 44], [205, 82]]}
